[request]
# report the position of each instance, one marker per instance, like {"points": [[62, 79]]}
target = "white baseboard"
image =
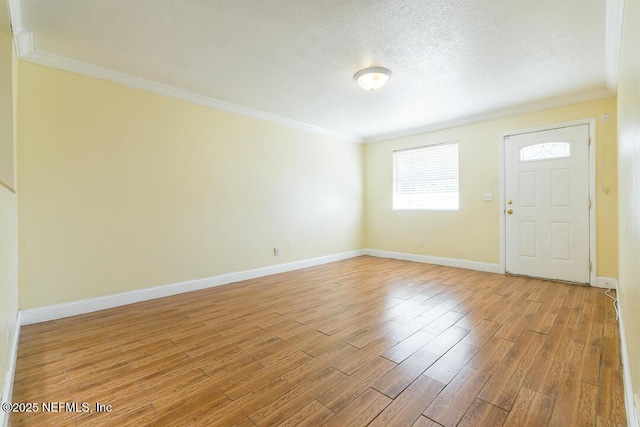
{"points": [[74, 308], [606, 283], [449, 262], [11, 370], [632, 412]]}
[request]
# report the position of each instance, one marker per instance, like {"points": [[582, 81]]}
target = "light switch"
{"points": [[488, 197]]}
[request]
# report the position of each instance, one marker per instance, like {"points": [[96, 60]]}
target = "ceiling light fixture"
{"points": [[372, 78]]}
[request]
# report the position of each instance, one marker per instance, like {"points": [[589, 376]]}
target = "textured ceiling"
{"points": [[296, 58]]}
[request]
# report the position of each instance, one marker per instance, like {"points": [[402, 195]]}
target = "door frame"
{"points": [[592, 187]]}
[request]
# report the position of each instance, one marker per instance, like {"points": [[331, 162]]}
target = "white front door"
{"points": [[547, 210]]}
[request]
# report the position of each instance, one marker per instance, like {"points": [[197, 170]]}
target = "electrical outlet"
{"points": [[421, 243], [605, 118], [276, 251], [488, 197]]}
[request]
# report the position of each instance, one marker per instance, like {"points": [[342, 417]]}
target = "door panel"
{"points": [[528, 241], [561, 241], [560, 188], [528, 189], [547, 189]]}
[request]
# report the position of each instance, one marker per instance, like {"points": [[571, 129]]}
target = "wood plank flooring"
{"points": [[365, 341]]}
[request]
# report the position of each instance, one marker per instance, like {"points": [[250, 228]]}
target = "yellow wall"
{"points": [[6, 116], [629, 178], [122, 189], [8, 228], [8, 276], [472, 233]]}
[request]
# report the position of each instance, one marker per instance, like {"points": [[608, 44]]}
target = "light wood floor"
{"points": [[365, 341]]}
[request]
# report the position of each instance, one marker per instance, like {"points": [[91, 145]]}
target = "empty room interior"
{"points": [[344, 213]]}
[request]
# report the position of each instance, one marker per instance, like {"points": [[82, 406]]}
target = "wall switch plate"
{"points": [[276, 251], [488, 197], [605, 118]]}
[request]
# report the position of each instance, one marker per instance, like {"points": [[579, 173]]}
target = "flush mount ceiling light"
{"points": [[372, 78]]}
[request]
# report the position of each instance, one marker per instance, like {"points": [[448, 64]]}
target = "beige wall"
{"points": [[629, 178], [6, 116], [122, 189], [8, 229], [472, 233]]}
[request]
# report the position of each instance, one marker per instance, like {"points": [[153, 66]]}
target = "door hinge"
{"points": [[589, 266], [588, 141], [589, 202]]}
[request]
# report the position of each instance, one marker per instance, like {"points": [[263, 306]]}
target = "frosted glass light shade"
{"points": [[372, 78]]}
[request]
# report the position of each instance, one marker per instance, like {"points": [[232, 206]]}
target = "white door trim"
{"points": [[592, 187]]}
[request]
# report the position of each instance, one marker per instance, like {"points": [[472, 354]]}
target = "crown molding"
{"points": [[77, 67], [613, 34], [22, 38], [499, 114], [24, 43], [15, 16], [25, 51]]}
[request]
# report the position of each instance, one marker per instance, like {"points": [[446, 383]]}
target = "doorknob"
{"points": [[510, 211], [510, 202]]}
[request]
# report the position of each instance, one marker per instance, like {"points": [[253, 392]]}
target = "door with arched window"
{"points": [[547, 204]]}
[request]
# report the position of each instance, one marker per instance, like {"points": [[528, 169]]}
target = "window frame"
{"points": [[427, 208]]}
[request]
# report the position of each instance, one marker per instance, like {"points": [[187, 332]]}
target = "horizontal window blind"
{"points": [[426, 178]]}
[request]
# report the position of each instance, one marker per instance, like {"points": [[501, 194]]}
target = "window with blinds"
{"points": [[426, 178]]}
